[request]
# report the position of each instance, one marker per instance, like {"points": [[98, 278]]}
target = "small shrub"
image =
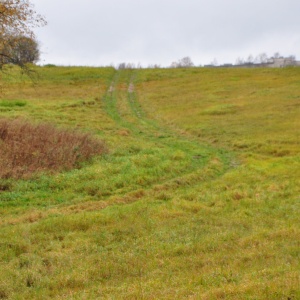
{"points": [[220, 110], [26, 148], [8, 103], [50, 65]]}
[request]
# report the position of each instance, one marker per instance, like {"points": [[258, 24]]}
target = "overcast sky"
{"points": [[104, 32]]}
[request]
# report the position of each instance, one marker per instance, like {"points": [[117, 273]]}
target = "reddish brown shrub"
{"points": [[26, 149]]}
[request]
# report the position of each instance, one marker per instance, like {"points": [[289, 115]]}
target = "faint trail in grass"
{"points": [[122, 105]]}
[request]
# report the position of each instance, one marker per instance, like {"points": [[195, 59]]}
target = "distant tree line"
{"points": [[186, 62], [261, 59]]}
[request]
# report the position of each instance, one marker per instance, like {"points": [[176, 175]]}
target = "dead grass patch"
{"points": [[26, 148]]}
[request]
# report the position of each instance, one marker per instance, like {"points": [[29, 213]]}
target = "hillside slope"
{"points": [[198, 197]]}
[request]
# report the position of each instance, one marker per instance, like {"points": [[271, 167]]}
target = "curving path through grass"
{"points": [[187, 159]]}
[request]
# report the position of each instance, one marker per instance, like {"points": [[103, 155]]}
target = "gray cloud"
{"points": [[97, 32]]}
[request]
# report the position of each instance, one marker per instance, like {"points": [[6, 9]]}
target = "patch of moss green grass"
{"points": [[14, 103], [197, 198]]}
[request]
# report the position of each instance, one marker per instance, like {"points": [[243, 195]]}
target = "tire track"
{"points": [[147, 129]]}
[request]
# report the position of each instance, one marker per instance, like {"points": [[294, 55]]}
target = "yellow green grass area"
{"points": [[196, 198]]}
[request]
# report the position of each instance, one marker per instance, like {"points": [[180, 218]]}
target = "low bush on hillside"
{"points": [[26, 149], [6, 103]]}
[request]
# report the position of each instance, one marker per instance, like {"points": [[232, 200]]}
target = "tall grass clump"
{"points": [[26, 148]]}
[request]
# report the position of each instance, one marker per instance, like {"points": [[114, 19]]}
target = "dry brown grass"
{"points": [[26, 149]]}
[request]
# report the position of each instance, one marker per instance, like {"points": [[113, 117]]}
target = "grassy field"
{"points": [[198, 196]]}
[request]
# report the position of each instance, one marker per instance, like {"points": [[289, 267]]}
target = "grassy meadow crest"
{"points": [[196, 197]]}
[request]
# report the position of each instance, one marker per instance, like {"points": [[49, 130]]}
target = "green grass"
{"points": [[198, 197], [13, 103]]}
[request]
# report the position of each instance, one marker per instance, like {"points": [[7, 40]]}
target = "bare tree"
{"points": [[239, 61], [184, 62], [250, 59], [154, 66], [277, 55], [214, 62], [262, 58], [174, 64], [122, 66], [292, 58]]}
